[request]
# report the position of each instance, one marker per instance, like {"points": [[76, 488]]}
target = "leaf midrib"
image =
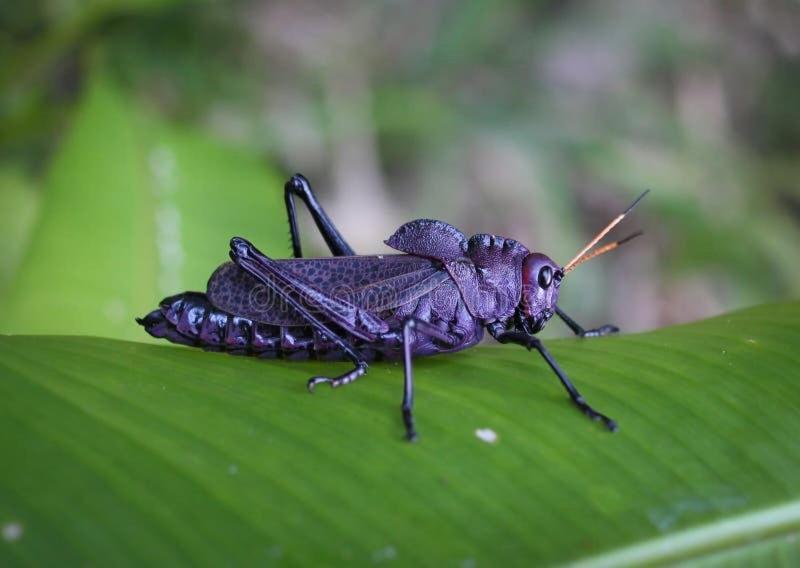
{"points": [[708, 538]]}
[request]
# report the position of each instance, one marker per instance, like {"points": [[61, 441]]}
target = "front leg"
{"points": [[578, 330], [530, 342]]}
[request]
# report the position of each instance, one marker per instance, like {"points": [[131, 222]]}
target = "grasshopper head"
{"points": [[541, 277], [541, 280]]}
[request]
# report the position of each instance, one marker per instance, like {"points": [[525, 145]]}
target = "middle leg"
{"points": [[411, 326]]}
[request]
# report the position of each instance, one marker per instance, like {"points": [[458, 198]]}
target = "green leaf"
{"points": [[129, 453], [134, 210]]}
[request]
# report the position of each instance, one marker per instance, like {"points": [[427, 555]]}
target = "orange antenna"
{"points": [[574, 262], [602, 250]]}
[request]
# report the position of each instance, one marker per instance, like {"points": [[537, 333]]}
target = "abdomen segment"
{"points": [[190, 319]]}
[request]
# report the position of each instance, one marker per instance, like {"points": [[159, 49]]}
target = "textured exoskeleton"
{"points": [[438, 295]]}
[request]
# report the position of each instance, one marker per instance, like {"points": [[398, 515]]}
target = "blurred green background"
{"points": [[137, 136]]}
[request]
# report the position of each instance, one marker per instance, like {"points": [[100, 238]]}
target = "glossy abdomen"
{"points": [[190, 319]]}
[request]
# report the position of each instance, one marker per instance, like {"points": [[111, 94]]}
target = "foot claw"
{"points": [[314, 381], [600, 331], [408, 421], [339, 381], [609, 423]]}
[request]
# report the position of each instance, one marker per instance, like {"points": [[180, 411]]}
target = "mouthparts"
{"points": [[537, 324]]}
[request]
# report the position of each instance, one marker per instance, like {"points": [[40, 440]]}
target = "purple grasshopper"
{"points": [[437, 296]]}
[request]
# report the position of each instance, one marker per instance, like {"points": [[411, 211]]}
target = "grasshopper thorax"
{"points": [[541, 281]]}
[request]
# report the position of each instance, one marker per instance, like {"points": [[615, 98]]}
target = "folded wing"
{"points": [[374, 283]]}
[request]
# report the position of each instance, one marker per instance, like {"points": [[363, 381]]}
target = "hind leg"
{"points": [[298, 186], [317, 308]]}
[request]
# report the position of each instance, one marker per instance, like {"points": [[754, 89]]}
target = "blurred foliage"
{"points": [[135, 210], [537, 120]]}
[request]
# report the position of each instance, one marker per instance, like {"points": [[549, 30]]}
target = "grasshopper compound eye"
{"points": [[538, 271], [545, 277]]}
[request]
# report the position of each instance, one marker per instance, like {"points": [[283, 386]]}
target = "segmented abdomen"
{"points": [[189, 318]]}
